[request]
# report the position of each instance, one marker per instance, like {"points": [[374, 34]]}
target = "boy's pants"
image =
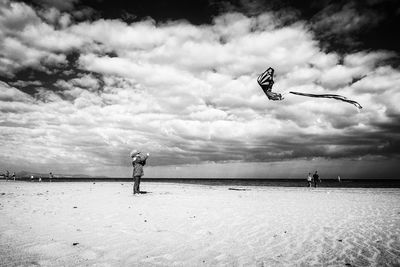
{"points": [[136, 185]]}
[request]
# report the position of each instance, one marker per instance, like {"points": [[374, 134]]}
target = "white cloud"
{"points": [[26, 83], [63, 84], [339, 76], [121, 35], [367, 59], [87, 81], [51, 15], [15, 55], [45, 37], [187, 93], [380, 80], [15, 16], [11, 94], [28, 41]]}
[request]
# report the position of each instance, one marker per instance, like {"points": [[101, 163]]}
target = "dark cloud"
{"points": [[341, 25], [353, 25], [62, 5]]}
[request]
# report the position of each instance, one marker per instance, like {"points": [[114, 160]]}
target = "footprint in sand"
{"points": [[33, 263]]}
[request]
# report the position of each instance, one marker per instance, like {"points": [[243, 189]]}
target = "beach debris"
{"points": [[347, 264], [75, 207], [238, 189], [145, 220], [340, 240], [3, 194], [74, 244], [266, 81]]}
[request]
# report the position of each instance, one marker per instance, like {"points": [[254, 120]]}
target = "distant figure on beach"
{"points": [[309, 179], [338, 178], [7, 175], [138, 161], [50, 177], [316, 178], [31, 178], [40, 178], [13, 176]]}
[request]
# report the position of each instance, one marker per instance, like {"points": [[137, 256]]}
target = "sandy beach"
{"points": [[103, 224]]}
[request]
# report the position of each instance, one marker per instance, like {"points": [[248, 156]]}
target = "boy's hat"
{"points": [[133, 153]]}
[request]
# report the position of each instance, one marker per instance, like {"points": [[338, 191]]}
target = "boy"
{"points": [[138, 161]]}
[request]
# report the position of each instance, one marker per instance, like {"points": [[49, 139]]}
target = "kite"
{"points": [[266, 81]]}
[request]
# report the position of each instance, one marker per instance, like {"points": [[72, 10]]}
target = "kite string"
{"points": [[284, 93]]}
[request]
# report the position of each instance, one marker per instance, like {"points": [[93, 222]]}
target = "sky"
{"points": [[83, 82]]}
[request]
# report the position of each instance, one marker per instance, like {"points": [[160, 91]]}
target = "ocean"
{"points": [[344, 183]]}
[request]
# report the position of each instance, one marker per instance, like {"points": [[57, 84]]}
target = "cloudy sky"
{"points": [[84, 82]]}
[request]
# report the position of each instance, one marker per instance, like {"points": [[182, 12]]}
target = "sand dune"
{"points": [[103, 224]]}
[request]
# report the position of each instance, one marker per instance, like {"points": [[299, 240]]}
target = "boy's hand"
{"points": [[148, 154]]}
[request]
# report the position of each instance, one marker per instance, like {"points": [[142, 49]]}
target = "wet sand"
{"points": [[103, 224]]}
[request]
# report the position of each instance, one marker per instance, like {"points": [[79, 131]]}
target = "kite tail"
{"points": [[337, 97]]}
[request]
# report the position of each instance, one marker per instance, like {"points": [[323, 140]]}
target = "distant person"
{"points": [[32, 178], [338, 178], [316, 178], [40, 178], [138, 161], [50, 177], [13, 176], [309, 179], [7, 175]]}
